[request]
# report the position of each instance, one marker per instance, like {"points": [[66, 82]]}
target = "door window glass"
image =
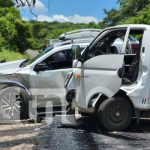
{"points": [[60, 60], [111, 43]]}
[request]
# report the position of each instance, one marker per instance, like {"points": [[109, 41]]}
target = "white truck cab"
{"points": [[114, 85]]}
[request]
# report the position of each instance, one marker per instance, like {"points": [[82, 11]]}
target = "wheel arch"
{"points": [[123, 94], [102, 97], [6, 84]]}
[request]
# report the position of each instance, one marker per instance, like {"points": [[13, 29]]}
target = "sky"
{"points": [[76, 11]]}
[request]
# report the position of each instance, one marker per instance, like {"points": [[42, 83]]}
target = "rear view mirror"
{"points": [[76, 51]]}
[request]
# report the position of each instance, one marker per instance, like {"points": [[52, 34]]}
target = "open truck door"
{"points": [[101, 69]]}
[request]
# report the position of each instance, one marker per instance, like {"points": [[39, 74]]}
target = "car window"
{"points": [[40, 55], [60, 60]]}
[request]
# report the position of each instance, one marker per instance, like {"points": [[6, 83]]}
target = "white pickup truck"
{"points": [[114, 86]]}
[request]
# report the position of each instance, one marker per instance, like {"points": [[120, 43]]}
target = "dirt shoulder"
{"points": [[19, 136]]}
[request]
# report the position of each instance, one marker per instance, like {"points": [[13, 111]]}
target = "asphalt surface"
{"points": [[93, 137]]}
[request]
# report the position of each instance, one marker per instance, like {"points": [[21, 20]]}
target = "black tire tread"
{"points": [[102, 117]]}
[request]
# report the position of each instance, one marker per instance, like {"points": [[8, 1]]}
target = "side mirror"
{"points": [[74, 64], [40, 67], [76, 51]]}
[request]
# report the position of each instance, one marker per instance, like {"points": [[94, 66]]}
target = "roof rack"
{"points": [[80, 34], [74, 41]]}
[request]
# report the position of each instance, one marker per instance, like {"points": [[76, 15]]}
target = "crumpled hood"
{"points": [[10, 67]]}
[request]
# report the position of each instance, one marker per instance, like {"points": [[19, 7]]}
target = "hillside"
{"points": [[18, 35]]}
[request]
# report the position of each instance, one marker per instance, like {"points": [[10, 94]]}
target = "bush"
{"points": [[7, 32], [8, 55]]}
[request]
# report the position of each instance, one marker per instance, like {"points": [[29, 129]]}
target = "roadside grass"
{"points": [[7, 55]]}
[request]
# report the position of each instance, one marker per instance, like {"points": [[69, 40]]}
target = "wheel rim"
{"points": [[117, 113], [11, 105]]}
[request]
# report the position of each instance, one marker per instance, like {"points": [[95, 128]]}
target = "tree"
{"points": [[142, 17], [23, 34], [29, 3], [7, 33], [129, 8], [6, 3], [129, 11], [24, 2], [111, 19], [12, 12]]}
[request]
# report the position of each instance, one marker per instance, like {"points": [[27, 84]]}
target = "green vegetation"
{"points": [[7, 55], [17, 35], [129, 11], [42, 31], [7, 3]]}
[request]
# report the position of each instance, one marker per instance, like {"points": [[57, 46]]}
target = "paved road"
{"points": [[90, 137]]}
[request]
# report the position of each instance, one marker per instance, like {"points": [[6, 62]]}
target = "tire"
{"points": [[115, 114], [13, 104]]}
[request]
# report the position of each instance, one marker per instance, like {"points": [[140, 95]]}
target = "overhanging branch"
{"points": [[22, 3]]}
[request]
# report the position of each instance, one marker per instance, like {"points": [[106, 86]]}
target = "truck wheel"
{"points": [[115, 114], [13, 104]]}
